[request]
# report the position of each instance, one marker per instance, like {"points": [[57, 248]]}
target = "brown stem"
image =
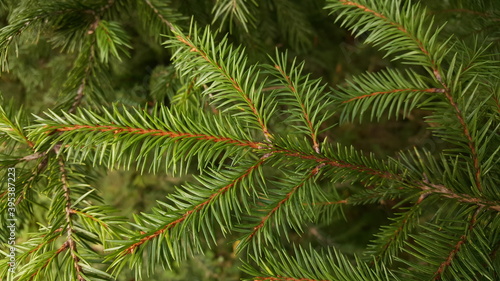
{"points": [[68, 211]]}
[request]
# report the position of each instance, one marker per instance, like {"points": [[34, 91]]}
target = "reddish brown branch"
{"points": [[153, 132], [431, 90], [309, 124], [337, 163], [396, 232], [197, 208], [456, 248], [61, 249], [419, 43], [283, 201], [46, 242], [470, 141]]}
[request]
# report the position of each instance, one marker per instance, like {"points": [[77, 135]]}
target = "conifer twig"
{"points": [[235, 84], [465, 198], [463, 239], [160, 231], [71, 245], [160, 16], [293, 88]]}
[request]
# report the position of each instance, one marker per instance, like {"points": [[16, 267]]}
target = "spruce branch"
{"points": [[458, 245], [159, 15], [283, 204], [407, 23], [123, 137], [70, 243], [255, 133], [51, 15], [140, 131], [308, 99], [215, 195], [470, 142], [48, 261], [340, 164], [464, 198], [385, 92], [413, 28], [391, 239], [228, 84]]}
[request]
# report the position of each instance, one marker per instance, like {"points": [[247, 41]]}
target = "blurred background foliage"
{"points": [[38, 72]]}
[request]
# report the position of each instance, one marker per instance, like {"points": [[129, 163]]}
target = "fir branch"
{"points": [[63, 247], [185, 214], [50, 15], [464, 198], [40, 168], [391, 239], [219, 113], [222, 75], [463, 236], [306, 97], [470, 142], [195, 209], [305, 112], [309, 264], [44, 243], [10, 127], [268, 215], [124, 134], [159, 15], [384, 92], [141, 131], [391, 21], [100, 222], [432, 53], [336, 163], [70, 243], [463, 239]]}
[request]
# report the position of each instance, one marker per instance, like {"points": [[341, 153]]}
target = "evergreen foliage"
{"points": [[230, 102]]}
